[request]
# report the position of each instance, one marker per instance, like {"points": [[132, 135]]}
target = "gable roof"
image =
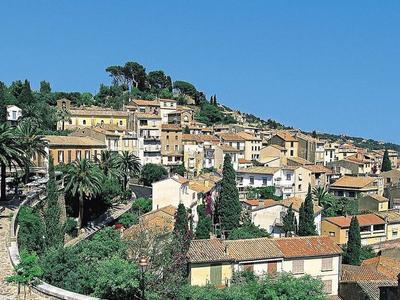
{"points": [[353, 182], [377, 197], [390, 267], [231, 137], [259, 170], [199, 137], [58, 140], [356, 273], [286, 136], [299, 160], [248, 136], [318, 169], [363, 220], [392, 215], [141, 102]]}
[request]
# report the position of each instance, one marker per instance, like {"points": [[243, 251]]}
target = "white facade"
{"points": [[167, 106], [13, 113]]}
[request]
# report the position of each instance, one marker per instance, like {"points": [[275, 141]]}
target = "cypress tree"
{"points": [[204, 225], [52, 212], [353, 250], [386, 163], [289, 222], [26, 97], [309, 225], [228, 206], [301, 228], [181, 227]]}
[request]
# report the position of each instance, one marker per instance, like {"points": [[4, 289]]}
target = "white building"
{"points": [[167, 106], [13, 114], [148, 131]]}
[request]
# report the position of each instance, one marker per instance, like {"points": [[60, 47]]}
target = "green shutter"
{"points": [[216, 274]]}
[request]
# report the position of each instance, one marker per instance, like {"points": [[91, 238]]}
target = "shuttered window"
{"points": [[298, 267], [327, 264], [327, 286], [272, 267], [248, 267], [216, 274]]}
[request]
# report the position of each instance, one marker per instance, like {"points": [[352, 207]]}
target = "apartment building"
{"points": [[167, 106], [182, 115], [268, 214], [148, 131], [372, 228], [171, 145], [252, 145], [214, 261], [287, 141], [356, 187], [91, 116], [235, 141]]}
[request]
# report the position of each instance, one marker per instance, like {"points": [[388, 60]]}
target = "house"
{"points": [[320, 175], [355, 187], [177, 189], [171, 145], [148, 131], [90, 116], [255, 177], [373, 202], [13, 114], [65, 149], [311, 149], [392, 219], [351, 165], [272, 153], [372, 228], [235, 141], [391, 177], [182, 115], [287, 141], [167, 106], [330, 153], [252, 145], [268, 214], [214, 261]]}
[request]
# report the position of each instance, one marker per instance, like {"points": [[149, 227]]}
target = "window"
{"points": [[83, 122], [248, 267], [176, 137], [365, 228], [265, 180], [167, 137], [120, 122], [251, 180], [87, 154], [272, 267], [69, 156], [60, 156], [216, 274], [291, 153], [327, 286], [176, 147], [78, 154], [193, 196], [95, 155], [379, 227], [289, 177], [126, 143], [327, 264], [299, 188], [387, 180], [332, 233], [394, 233], [298, 267], [340, 193], [291, 144], [169, 158], [167, 147], [70, 121], [352, 194]]}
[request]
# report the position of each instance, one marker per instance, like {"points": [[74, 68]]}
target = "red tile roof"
{"points": [[308, 246], [363, 220]]}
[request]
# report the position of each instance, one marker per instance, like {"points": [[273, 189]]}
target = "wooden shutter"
{"points": [[216, 274], [248, 267], [272, 267]]}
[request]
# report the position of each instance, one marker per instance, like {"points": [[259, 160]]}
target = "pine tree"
{"points": [[52, 212], [353, 250], [45, 87], [228, 206], [26, 97], [204, 224], [289, 225], [386, 163]]}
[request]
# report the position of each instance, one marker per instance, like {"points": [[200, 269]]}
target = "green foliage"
{"points": [[31, 230], [152, 173], [128, 165], [180, 169], [117, 279], [45, 87], [70, 225], [27, 270], [265, 192], [248, 231], [141, 206], [128, 219], [158, 81], [386, 163], [280, 287], [181, 227], [186, 130], [352, 255], [54, 229], [185, 88], [306, 216], [204, 225], [228, 208], [289, 222], [338, 207], [210, 114], [366, 252]]}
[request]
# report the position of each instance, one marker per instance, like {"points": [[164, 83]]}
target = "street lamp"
{"points": [[143, 263]]}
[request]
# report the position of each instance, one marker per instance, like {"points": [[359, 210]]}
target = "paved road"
{"points": [[8, 291]]}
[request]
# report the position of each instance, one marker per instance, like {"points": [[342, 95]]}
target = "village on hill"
{"points": [[151, 190]]}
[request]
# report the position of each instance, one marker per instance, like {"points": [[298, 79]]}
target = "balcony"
{"points": [[152, 148], [150, 137]]}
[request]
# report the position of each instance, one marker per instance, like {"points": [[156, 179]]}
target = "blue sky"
{"points": [[333, 67]]}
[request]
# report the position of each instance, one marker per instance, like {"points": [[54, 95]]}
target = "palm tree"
{"points": [[320, 194], [63, 115], [11, 154], [84, 180], [128, 164], [31, 142], [108, 163]]}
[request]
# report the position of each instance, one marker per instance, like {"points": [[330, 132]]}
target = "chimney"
{"points": [[226, 250]]}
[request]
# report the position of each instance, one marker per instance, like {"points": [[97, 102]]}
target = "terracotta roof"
{"points": [[160, 221], [387, 266], [392, 216], [214, 177], [180, 179], [252, 249], [248, 136], [140, 102], [363, 220], [318, 169], [228, 148], [57, 140], [355, 159], [176, 127], [371, 288], [377, 197], [296, 203], [166, 100], [307, 246], [199, 137], [147, 116], [286, 136], [300, 160], [252, 202], [259, 170], [211, 250], [353, 182], [356, 273], [244, 161], [201, 186], [230, 137], [277, 147]]}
